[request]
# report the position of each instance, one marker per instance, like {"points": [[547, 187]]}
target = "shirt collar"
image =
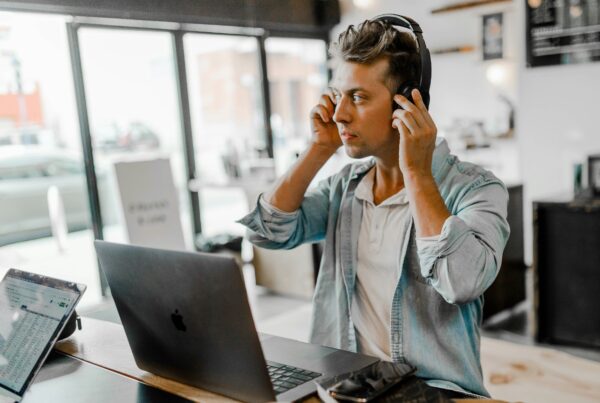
{"points": [[364, 191]]}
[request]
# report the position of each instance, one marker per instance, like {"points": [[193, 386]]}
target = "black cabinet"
{"points": [[567, 272], [509, 287]]}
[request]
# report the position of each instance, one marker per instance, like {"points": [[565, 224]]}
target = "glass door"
{"points": [[297, 70], [230, 143], [133, 108]]}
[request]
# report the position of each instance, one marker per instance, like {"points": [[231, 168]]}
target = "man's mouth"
{"points": [[347, 136]]}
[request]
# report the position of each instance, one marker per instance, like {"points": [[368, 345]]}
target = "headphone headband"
{"points": [[401, 21], [424, 56]]}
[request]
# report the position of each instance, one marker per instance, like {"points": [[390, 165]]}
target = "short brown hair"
{"points": [[372, 40]]}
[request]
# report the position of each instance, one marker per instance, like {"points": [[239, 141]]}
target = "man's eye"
{"points": [[357, 98]]}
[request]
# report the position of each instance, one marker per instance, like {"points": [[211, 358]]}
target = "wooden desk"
{"points": [[105, 344], [66, 379], [512, 372]]}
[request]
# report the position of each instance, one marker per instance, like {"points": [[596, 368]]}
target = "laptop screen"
{"points": [[33, 311]]}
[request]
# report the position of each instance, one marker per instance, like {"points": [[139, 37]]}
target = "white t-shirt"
{"points": [[382, 230]]}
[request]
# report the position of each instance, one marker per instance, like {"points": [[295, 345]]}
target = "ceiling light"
{"points": [[364, 4]]}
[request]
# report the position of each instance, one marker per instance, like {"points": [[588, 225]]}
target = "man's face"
{"points": [[363, 112]]}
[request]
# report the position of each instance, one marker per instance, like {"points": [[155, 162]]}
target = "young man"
{"points": [[413, 236]]}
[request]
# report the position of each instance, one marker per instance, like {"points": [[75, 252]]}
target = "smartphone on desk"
{"points": [[371, 382]]}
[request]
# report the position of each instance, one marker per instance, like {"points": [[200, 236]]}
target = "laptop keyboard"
{"points": [[286, 377]]}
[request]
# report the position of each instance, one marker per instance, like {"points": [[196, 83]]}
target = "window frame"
{"points": [[177, 31]]}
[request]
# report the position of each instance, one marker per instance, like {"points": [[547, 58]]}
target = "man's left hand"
{"points": [[417, 134]]}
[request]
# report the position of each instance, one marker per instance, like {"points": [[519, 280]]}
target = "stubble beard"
{"points": [[355, 152]]}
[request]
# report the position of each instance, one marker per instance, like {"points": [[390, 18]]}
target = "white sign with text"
{"points": [[150, 205]]}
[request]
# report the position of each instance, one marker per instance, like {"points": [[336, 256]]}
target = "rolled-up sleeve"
{"points": [[464, 261], [272, 228]]}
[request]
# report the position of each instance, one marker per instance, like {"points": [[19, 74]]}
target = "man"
{"points": [[413, 236]]}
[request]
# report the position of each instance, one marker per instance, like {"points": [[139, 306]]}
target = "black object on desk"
{"points": [[74, 322], [567, 271], [367, 383], [415, 390], [66, 379]]}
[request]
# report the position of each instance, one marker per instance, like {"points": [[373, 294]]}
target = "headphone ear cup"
{"points": [[406, 92]]}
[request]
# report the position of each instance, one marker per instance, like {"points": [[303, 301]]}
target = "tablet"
{"points": [[33, 311]]}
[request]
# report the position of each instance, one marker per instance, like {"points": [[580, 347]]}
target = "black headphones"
{"points": [[425, 66]]}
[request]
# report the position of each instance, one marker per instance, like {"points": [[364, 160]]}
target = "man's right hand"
{"points": [[324, 130], [288, 193]]}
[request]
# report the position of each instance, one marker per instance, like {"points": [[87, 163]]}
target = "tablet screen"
{"points": [[33, 311]]}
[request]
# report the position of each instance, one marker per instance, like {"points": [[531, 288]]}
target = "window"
{"points": [[230, 143], [133, 110], [40, 149], [297, 77]]}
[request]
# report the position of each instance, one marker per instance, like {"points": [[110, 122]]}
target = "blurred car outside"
{"points": [[137, 136], [27, 135], [26, 174]]}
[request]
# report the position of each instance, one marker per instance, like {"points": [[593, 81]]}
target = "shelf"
{"points": [[454, 49], [466, 4]]}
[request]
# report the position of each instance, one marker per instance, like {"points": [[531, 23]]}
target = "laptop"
{"points": [[186, 316], [34, 309]]}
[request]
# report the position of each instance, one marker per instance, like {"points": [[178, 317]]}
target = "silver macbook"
{"points": [[187, 318]]}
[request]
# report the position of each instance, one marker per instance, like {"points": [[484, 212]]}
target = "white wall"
{"points": [[558, 125], [557, 107]]}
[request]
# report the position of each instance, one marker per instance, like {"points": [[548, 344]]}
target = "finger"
{"points": [[406, 104], [408, 119], [401, 127], [418, 98], [321, 112], [331, 95], [328, 103]]}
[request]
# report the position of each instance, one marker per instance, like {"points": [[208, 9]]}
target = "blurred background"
{"points": [[222, 90]]}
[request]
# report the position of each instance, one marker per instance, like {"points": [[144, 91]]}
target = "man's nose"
{"points": [[341, 114]]}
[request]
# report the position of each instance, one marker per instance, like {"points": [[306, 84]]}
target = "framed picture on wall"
{"points": [[492, 36], [562, 32]]}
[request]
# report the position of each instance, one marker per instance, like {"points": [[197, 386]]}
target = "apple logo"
{"points": [[178, 321]]}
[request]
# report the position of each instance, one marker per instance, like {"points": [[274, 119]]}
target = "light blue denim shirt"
{"points": [[437, 305]]}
